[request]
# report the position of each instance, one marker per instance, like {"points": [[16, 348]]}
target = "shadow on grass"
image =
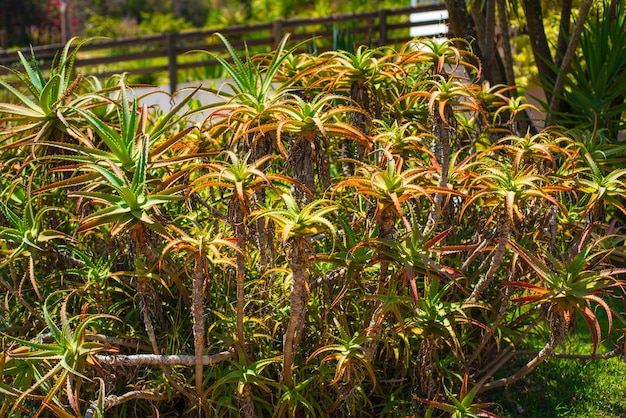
{"points": [[566, 387]]}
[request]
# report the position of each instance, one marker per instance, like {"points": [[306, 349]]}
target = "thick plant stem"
{"points": [[442, 152], [302, 159], [545, 352], [496, 260], [505, 355], [298, 301], [360, 93], [23, 301], [504, 304], [246, 403], [241, 295], [374, 328], [237, 223], [114, 400], [138, 234], [238, 209], [264, 229], [427, 370], [386, 223], [197, 312], [147, 320], [559, 326]]}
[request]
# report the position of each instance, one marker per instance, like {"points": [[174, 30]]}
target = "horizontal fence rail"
{"points": [[177, 51]]}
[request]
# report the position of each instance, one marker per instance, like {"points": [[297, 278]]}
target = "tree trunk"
{"points": [[299, 261], [199, 325], [613, 8], [559, 84], [386, 224], [488, 45], [301, 158], [564, 27], [539, 44], [481, 39], [507, 58], [496, 260], [461, 27]]}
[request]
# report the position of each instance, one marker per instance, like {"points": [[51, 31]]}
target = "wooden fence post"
{"points": [[277, 32], [172, 65], [382, 27]]}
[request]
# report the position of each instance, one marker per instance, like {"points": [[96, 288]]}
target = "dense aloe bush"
{"points": [[349, 234]]}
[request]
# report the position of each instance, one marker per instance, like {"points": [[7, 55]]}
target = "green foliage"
{"points": [[594, 91], [161, 22], [109, 26], [344, 234], [123, 27]]}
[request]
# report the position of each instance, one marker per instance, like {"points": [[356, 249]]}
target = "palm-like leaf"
{"points": [[439, 318], [439, 56], [48, 103], [604, 189], [391, 184], [71, 352], [461, 405], [501, 186], [295, 222], [417, 256], [317, 115], [27, 233], [122, 144], [571, 284], [130, 201], [237, 176], [349, 354]]}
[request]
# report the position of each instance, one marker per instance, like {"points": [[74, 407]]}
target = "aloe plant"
{"points": [[297, 226], [256, 271], [47, 107], [48, 367]]}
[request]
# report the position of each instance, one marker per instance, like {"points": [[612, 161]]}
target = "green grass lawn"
{"points": [[566, 387]]}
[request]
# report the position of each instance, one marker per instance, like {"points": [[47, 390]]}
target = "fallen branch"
{"points": [[118, 342], [618, 351], [161, 360], [539, 356], [114, 400]]}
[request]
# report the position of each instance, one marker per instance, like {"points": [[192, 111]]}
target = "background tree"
{"points": [[17, 16], [552, 57]]}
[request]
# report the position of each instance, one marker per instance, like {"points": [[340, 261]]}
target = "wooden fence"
{"points": [[174, 52]]}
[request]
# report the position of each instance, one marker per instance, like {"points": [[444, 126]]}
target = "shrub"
{"points": [[349, 234]]}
